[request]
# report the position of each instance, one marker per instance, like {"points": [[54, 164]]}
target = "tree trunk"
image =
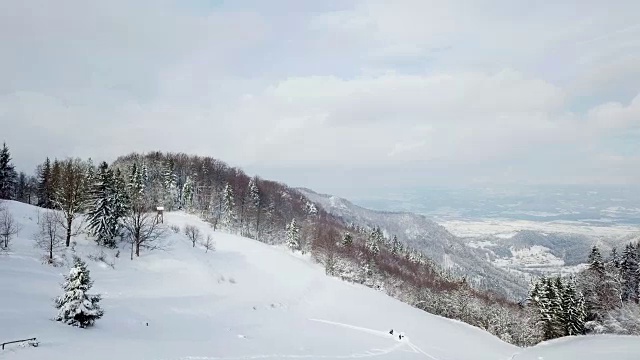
{"points": [[69, 221], [137, 248]]}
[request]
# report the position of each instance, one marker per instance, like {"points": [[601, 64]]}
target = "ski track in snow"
{"points": [[366, 354]]}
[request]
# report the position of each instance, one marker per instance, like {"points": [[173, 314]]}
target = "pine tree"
{"points": [[77, 307], [347, 239], [574, 312], [629, 270], [228, 216], [45, 185], [102, 216], [396, 247], [373, 244], [595, 261], [187, 193], [122, 201], [255, 203], [614, 259], [7, 174], [169, 186], [293, 235]]}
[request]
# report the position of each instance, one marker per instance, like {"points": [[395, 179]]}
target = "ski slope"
{"points": [[246, 300]]}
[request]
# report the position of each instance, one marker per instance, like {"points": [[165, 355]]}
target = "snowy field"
{"points": [[246, 300], [507, 228]]}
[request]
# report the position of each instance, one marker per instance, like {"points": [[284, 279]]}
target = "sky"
{"points": [[333, 95]]}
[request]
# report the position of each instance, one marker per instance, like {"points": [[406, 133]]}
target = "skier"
{"points": [[391, 332]]}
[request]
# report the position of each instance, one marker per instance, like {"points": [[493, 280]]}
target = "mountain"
{"points": [[245, 300], [426, 236]]}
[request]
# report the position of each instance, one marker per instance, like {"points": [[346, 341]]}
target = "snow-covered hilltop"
{"points": [[245, 300]]}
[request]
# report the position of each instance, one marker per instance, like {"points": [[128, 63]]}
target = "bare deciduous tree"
{"points": [[50, 234], [208, 243], [70, 195], [193, 233], [8, 228], [142, 230]]}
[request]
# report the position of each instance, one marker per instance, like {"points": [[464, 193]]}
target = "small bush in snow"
{"points": [[193, 233], [174, 228], [76, 307], [209, 244]]}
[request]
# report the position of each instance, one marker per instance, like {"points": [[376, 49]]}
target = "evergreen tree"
{"points": [[396, 247], [595, 261], [614, 259], [169, 186], [102, 215], [228, 216], [293, 235], [22, 188], [7, 174], [77, 307], [45, 185], [122, 201], [574, 312], [187, 193], [347, 239], [373, 244], [629, 272], [255, 203]]}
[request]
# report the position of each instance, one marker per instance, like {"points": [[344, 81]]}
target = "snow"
{"points": [[585, 348], [246, 300], [507, 228]]}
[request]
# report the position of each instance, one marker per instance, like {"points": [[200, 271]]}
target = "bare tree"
{"points": [[193, 233], [8, 228], [209, 244], [70, 195], [142, 230], [50, 234]]}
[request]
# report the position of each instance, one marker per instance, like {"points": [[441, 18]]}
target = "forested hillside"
{"points": [[117, 203]]}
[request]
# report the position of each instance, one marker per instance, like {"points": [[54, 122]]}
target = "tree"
{"points": [[629, 271], [574, 312], [21, 191], [396, 246], [49, 236], [208, 243], [70, 196], [45, 185], [255, 204], [7, 174], [139, 225], [293, 235], [76, 307], [187, 193], [228, 218], [193, 233], [169, 187], [8, 228], [347, 239], [101, 217]]}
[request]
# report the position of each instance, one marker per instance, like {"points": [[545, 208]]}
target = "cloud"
{"points": [[438, 91]]}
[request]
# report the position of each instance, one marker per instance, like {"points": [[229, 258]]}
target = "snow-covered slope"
{"points": [[246, 300], [432, 239]]}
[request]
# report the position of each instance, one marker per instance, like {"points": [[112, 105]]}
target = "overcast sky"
{"points": [[336, 95]]}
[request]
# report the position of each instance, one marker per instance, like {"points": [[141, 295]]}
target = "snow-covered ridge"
{"points": [[245, 300]]}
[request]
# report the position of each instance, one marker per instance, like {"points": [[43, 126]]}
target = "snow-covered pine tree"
{"points": [[8, 174], [614, 259], [76, 307], [122, 201], [574, 312], [293, 235], [373, 243], [228, 216], [169, 186], [102, 215], [187, 193], [629, 270], [595, 261], [347, 239], [255, 204], [396, 247]]}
